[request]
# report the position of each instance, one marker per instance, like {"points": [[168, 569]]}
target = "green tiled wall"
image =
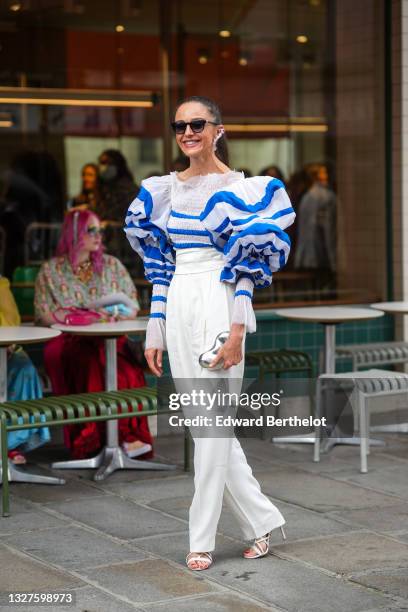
{"points": [[275, 332], [309, 337]]}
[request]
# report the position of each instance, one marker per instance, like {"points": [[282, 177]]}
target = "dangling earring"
{"points": [[220, 133], [75, 227]]}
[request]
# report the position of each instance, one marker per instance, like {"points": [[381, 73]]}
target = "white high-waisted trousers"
{"points": [[199, 306]]}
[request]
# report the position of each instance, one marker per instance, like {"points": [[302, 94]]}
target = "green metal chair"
{"points": [[281, 361], [23, 287], [68, 409]]}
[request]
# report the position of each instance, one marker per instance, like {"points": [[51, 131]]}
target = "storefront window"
{"points": [[301, 92]]}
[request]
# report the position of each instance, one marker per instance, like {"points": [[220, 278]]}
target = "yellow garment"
{"points": [[9, 314]]}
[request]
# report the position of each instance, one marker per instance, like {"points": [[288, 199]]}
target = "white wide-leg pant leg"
{"points": [[199, 307], [221, 469], [254, 511]]}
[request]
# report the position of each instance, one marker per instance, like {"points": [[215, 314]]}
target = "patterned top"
{"points": [[242, 218], [57, 286]]}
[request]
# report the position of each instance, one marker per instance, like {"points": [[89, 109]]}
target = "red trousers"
{"points": [[76, 364]]}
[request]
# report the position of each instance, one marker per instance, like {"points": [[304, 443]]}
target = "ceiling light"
{"points": [[120, 28], [224, 33], [77, 97], [302, 39], [15, 7], [6, 120], [203, 56], [275, 127], [243, 59]]}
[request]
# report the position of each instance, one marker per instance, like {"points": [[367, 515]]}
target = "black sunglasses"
{"points": [[92, 230], [196, 125]]}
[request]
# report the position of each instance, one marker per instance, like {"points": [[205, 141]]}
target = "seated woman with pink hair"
{"points": [[80, 274]]}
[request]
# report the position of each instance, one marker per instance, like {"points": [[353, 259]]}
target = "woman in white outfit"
{"points": [[207, 236]]}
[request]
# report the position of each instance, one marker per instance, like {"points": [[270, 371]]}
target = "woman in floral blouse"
{"points": [[80, 274]]}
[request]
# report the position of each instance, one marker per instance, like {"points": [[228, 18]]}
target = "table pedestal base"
{"points": [[17, 474], [400, 428], [329, 442], [111, 457], [310, 439], [354, 441], [109, 460]]}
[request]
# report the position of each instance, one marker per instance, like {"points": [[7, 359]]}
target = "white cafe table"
{"points": [[391, 307], [394, 308], [22, 335], [111, 457], [330, 317]]}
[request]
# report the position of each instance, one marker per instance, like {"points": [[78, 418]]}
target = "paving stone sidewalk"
{"points": [[120, 545]]}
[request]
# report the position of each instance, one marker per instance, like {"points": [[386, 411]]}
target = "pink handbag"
{"points": [[77, 316]]}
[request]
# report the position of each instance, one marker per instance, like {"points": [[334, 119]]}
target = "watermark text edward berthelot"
{"points": [[230, 421]]}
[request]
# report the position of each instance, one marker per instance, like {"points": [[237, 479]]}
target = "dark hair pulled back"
{"points": [[222, 148]]}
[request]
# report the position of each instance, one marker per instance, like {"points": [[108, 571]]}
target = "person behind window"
{"points": [[273, 171], [32, 193], [35, 182], [23, 382], [118, 187], [316, 227], [298, 184], [80, 274], [89, 196]]}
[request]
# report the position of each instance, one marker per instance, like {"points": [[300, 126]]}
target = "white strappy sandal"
{"points": [[260, 547], [204, 557]]}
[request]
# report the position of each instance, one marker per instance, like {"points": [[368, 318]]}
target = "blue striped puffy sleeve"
{"points": [[146, 228], [247, 224]]}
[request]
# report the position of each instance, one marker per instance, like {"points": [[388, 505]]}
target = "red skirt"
{"points": [[76, 364]]}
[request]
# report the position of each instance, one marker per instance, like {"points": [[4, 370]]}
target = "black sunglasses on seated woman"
{"points": [[196, 125], [92, 230]]}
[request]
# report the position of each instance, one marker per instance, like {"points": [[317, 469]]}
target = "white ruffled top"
{"points": [[188, 199], [242, 218]]}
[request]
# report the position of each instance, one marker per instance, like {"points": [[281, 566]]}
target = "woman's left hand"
{"points": [[131, 316], [128, 317], [231, 351]]}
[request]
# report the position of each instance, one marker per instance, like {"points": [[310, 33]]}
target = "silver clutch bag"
{"points": [[208, 356]]}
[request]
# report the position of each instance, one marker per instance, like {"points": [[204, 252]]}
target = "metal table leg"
{"points": [[20, 474], [3, 373], [396, 428], [112, 457], [354, 441], [329, 367], [14, 473]]}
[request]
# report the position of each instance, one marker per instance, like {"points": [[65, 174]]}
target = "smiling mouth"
{"points": [[190, 142]]}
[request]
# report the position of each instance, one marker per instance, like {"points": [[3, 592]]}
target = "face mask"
{"points": [[107, 172]]}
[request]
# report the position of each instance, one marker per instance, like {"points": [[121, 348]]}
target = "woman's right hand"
{"points": [[154, 358], [46, 319]]}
